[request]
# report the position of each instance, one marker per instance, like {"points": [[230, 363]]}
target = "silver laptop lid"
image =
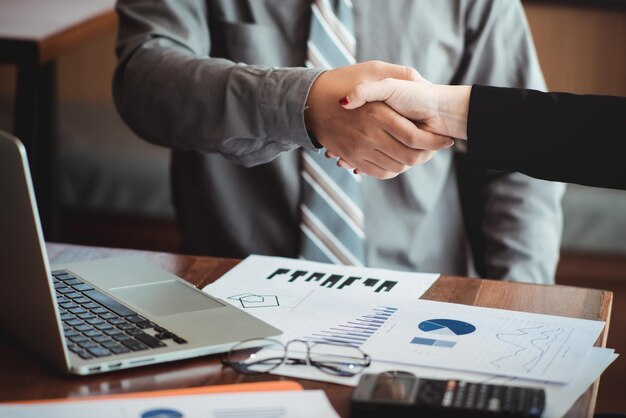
{"points": [[28, 310]]}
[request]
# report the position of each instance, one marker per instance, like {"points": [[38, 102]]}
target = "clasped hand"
{"points": [[384, 133]]}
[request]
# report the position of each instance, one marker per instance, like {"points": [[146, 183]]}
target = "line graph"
{"points": [[529, 344]]}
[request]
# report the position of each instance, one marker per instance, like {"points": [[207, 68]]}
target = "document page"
{"points": [[271, 287], [283, 404], [447, 335]]}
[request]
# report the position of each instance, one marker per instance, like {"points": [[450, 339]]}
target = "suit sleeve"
{"points": [[553, 136], [514, 222], [171, 93]]}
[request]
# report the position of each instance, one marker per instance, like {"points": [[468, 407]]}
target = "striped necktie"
{"points": [[330, 207]]}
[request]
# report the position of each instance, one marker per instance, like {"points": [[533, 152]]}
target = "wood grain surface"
{"points": [[40, 30], [24, 377]]}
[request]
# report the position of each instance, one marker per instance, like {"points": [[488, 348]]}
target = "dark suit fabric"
{"points": [[553, 136]]}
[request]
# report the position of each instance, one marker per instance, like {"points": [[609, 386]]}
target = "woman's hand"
{"points": [[435, 108]]}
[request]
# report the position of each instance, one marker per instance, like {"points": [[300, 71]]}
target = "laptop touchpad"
{"points": [[165, 298]]}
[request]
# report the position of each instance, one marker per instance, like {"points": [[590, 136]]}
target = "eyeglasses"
{"points": [[256, 356]]}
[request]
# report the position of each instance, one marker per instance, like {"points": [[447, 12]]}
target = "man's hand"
{"points": [[373, 139]]}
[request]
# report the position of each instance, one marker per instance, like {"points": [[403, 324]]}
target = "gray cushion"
{"points": [[594, 220], [105, 167]]}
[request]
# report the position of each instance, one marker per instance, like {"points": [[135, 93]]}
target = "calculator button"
{"points": [[494, 405]]}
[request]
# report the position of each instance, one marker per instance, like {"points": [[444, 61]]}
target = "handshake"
{"points": [[381, 119]]}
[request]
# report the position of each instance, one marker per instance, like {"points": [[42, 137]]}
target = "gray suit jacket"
{"points": [[221, 82]]}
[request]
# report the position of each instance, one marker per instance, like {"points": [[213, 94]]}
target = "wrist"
{"points": [[452, 109], [311, 110]]}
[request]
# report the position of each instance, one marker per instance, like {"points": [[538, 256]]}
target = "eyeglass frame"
{"points": [[295, 361]]}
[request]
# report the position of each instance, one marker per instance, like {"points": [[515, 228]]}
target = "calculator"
{"points": [[401, 394]]}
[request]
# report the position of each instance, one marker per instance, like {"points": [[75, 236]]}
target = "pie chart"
{"points": [[446, 327], [162, 413]]}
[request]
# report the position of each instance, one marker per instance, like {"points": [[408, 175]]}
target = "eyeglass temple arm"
{"points": [[288, 360]]}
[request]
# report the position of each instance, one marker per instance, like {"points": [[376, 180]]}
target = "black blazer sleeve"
{"points": [[552, 136]]}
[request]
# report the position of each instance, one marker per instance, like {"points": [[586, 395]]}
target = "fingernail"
{"points": [[344, 101], [449, 144]]}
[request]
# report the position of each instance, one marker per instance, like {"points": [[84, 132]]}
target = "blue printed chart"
{"points": [[357, 331], [444, 327], [162, 413]]}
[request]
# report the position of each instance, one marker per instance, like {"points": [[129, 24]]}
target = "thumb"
{"points": [[373, 91], [400, 72]]}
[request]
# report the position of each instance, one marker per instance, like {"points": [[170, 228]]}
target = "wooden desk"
{"points": [[33, 33], [25, 377]]}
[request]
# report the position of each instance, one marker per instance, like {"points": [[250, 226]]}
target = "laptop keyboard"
{"points": [[96, 325]]}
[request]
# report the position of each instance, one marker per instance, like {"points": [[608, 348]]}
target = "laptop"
{"points": [[101, 315]]}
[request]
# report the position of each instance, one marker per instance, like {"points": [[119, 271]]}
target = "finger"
{"points": [[401, 72], [396, 132], [410, 135], [373, 91], [426, 140], [391, 147], [390, 154], [344, 164], [379, 114], [372, 169], [387, 163], [406, 156], [341, 162]]}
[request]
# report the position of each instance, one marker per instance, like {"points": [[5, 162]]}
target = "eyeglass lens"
{"points": [[257, 356], [342, 360], [264, 355]]}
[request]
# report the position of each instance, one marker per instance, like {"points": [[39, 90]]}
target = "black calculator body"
{"points": [[404, 395]]}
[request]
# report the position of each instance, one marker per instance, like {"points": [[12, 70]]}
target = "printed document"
{"points": [[445, 335], [271, 287], [283, 404], [431, 339]]}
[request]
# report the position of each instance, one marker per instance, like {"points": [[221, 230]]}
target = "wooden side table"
{"points": [[33, 34]]}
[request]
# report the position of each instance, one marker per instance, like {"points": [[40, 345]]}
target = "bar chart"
{"points": [[357, 331]]}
